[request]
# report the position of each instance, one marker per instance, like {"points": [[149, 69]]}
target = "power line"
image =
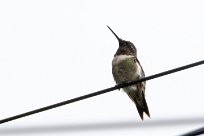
{"points": [[100, 92], [195, 132]]}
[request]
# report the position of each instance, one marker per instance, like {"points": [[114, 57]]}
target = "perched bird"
{"points": [[125, 68]]}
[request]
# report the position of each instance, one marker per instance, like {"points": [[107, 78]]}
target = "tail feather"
{"points": [[140, 103], [145, 108], [140, 110]]}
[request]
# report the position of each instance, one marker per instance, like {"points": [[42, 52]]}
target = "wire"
{"points": [[100, 92], [195, 132]]}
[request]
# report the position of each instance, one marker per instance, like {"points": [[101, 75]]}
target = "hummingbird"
{"points": [[125, 68]]}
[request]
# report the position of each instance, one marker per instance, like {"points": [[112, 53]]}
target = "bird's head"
{"points": [[125, 47]]}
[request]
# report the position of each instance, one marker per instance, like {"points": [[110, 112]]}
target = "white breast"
{"points": [[117, 59], [139, 70]]}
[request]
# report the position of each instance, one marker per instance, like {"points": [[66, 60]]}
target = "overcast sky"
{"points": [[51, 51]]}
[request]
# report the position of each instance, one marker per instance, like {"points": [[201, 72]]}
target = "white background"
{"points": [[51, 51]]}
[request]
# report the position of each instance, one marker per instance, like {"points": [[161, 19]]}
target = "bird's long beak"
{"points": [[119, 40]]}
